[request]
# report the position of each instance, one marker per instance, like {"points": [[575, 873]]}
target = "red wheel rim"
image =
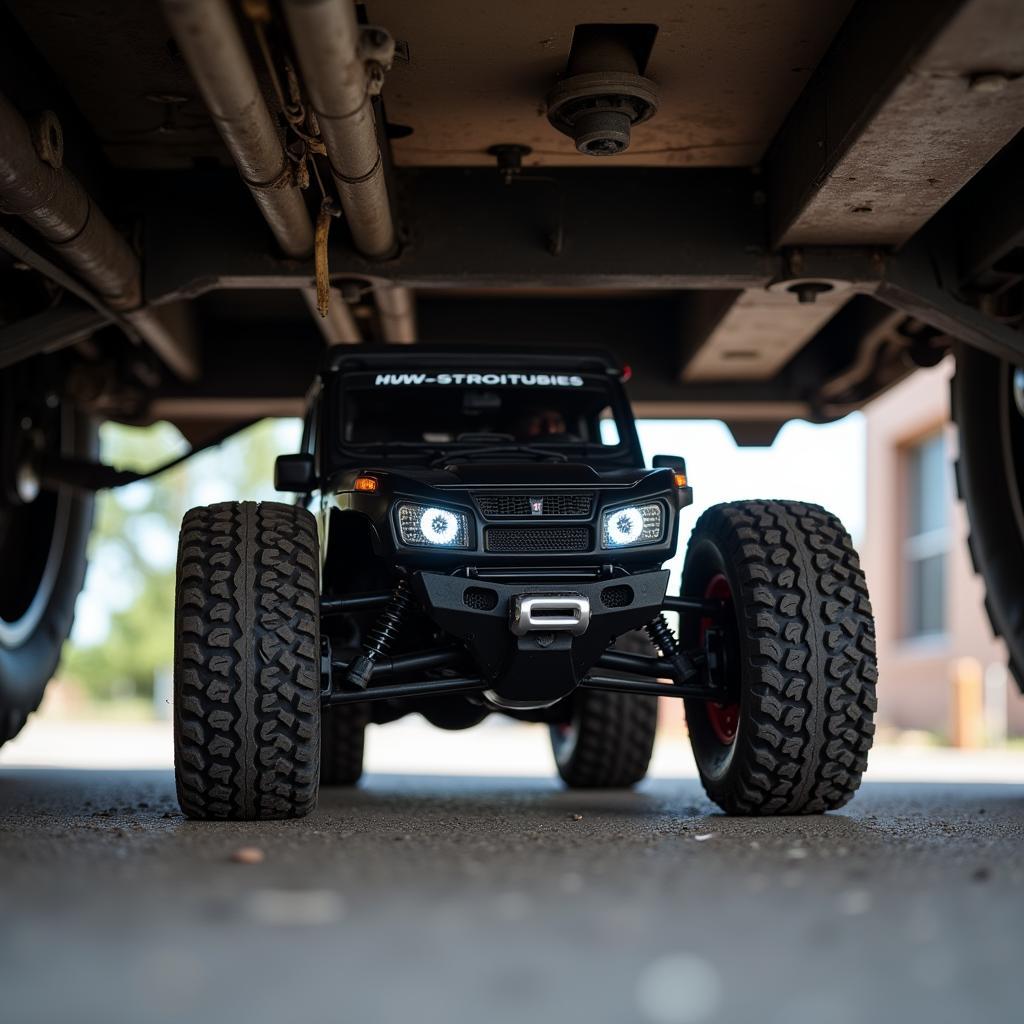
{"points": [[724, 719]]}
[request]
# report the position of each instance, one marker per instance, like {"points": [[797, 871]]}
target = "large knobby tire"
{"points": [[990, 481], [247, 662], [800, 653], [343, 731], [608, 740], [42, 570]]}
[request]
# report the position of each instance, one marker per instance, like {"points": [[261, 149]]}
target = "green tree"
{"points": [[131, 549]]}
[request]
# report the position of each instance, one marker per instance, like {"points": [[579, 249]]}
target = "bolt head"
{"points": [[808, 291], [988, 84]]}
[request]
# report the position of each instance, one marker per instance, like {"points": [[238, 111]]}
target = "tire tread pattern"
{"points": [[992, 551], [613, 743], [808, 664], [19, 702], [341, 746], [246, 680]]}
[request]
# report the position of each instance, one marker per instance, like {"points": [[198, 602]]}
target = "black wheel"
{"points": [[799, 652], [42, 555], [607, 741], [247, 662], [988, 407], [343, 730]]}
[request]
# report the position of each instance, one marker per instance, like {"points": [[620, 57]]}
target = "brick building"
{"points": [[928, 603]]}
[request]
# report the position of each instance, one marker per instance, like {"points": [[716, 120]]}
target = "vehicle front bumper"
{"points": [[533, 650]]}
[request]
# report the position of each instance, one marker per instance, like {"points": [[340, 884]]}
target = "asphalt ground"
{"points": [[460, 898]]}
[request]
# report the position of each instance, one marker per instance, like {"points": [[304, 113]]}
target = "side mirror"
{"points": [[674, 462], [684, 492], [295, 473]]}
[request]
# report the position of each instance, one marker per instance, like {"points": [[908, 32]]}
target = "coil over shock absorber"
{"points": [[383, 635], [664, 639]]}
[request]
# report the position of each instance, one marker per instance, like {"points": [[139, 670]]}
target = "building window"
{"points": [[926, 537]]}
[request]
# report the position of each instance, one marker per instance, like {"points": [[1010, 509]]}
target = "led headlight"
{"points": [[431, 526], [631, 525]]}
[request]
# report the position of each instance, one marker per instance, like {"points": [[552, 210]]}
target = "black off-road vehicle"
{"points": [[479, 531]]}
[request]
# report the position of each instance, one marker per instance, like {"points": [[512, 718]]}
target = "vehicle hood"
{"points": [[523, 474]]}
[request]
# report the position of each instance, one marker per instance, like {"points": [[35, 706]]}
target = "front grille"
{"points": [[509, 506], [526, 539], [578, 505]]}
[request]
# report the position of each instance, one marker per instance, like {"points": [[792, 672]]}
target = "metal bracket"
{"points": [[376, 49]]}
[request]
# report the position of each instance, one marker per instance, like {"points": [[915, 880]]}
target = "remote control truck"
{"points": [[477, 534]]}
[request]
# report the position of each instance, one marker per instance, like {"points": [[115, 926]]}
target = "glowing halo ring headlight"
{"points": [[432, 526], [632, 525], [625, 525], [439, 526]]}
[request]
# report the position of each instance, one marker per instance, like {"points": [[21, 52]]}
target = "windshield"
{"points": [[452, 410]]}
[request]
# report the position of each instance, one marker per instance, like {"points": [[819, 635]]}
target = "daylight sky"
{"points": [[822, 464]]}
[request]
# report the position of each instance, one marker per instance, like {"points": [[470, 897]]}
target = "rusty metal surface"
{"points": [[917, 96], [760, 333], [911, 102], [396, 312], [118, 62], [478, 73], [53, 202], [170, 331], [338, 327], [326, 40], [48, 331], [209, 37]]}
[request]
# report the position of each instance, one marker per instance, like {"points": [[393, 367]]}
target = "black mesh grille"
{"points": [[502, 506], [525, 539], [567, 504], [617, 597], [496, 506], [480, 598]]}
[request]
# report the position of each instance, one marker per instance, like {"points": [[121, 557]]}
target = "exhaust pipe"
{"points": [[54, 203], [327, 42], [35, 186], [209, 39], [396, 313], [339, 326]]}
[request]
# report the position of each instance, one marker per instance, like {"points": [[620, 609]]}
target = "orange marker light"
{"points": [[366, 483], [680, 479]]}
